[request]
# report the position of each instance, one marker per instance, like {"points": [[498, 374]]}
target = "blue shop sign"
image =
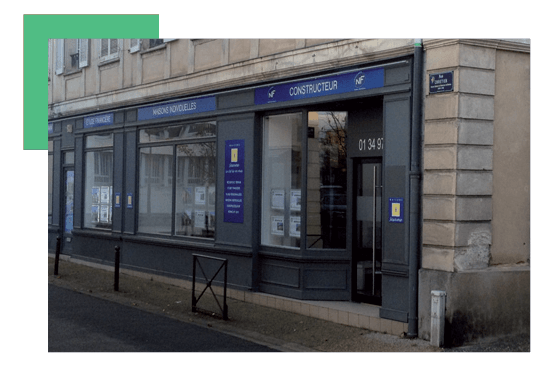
{"points": [[99, 120], [233, 201], [330, 85], [183, 107]]}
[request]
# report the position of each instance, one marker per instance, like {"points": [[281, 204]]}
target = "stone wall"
{"points": [[476, 189]]}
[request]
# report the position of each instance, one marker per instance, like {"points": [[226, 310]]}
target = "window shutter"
{"points": [[135, 45], [59, 54], [83, 53]]}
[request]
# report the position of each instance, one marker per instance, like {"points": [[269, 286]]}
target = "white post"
{"points": [[438, 318]]}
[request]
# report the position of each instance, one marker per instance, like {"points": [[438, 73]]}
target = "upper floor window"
{"points": [[71, 55], [108, 49], [145, 44]]}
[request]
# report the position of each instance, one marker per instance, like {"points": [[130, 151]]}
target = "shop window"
{"points": [[155, 191], [282, 180], [196, 190], [184, 205], [50, 181], [98, 194], [327, 180]]}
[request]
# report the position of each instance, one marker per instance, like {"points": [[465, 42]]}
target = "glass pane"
{"points": [[195, 190], [98, 191], [50, 188], [168, 133], [327, 180], [282, 180], [101, 140], [104, 47], [155, 189], [69, 157]]}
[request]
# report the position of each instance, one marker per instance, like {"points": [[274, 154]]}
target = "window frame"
{"points": [[111, 55], [303, 249], [303, 187], [95, 149], [50, 179], [62, 63], [173, 173], [138, 45]]}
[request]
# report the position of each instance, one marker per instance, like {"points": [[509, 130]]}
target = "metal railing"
{"points": [[194, 300]]}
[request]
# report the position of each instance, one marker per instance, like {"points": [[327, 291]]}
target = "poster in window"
{"points": [[104, 213], [278, 225], [95, 195], [294, 226], [105, 194], [95, 213], [278, 199], [295, 200], [200, 195], [200, 219]]}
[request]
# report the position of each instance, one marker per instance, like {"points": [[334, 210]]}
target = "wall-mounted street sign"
{"points": [[441, 82]]}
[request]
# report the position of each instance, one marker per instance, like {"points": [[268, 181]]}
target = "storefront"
{"points": [[309, 186]]}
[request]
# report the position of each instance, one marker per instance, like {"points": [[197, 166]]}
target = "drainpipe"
{"points": [[415, 188]]}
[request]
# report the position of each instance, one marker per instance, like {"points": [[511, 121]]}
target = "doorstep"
{"points": [[352, 314]]}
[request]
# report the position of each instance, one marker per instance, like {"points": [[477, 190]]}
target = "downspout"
{"points": [[415, 188]]}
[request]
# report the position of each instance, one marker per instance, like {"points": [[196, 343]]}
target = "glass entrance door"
{"points": [[367, 236]]}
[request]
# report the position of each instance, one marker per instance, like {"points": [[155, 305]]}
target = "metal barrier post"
{"points": [[193, 299], [57, 252], [209, 281], [225, 291], [117, 266]]}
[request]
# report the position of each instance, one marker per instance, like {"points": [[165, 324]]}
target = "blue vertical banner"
{"points": [[69, 201], [233, 202]]}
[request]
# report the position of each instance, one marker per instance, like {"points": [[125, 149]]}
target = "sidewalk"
{"points": [[280, 323]]}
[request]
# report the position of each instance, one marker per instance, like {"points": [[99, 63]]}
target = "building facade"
{"points": [[365, 170]]}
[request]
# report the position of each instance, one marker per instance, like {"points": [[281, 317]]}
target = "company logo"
{"points": [[271, 92], [359, 79]]}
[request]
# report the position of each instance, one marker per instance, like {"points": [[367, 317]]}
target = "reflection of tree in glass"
{"points": [[202, 158], [332, 138]]}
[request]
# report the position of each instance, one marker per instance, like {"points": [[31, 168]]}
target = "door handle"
{"points": [[373, 226]]}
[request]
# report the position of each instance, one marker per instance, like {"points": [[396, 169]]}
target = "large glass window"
{"points": [[177, 189], [155, 189], [98, 193], [196, 189], [326, 183], [327, 180], [282, 180]]}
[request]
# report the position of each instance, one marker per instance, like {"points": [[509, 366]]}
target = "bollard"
{"points": [[57, 252], [117, 266], [438, 318]]}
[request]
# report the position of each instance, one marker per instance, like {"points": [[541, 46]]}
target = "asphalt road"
{"points": [[82, 323]]}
